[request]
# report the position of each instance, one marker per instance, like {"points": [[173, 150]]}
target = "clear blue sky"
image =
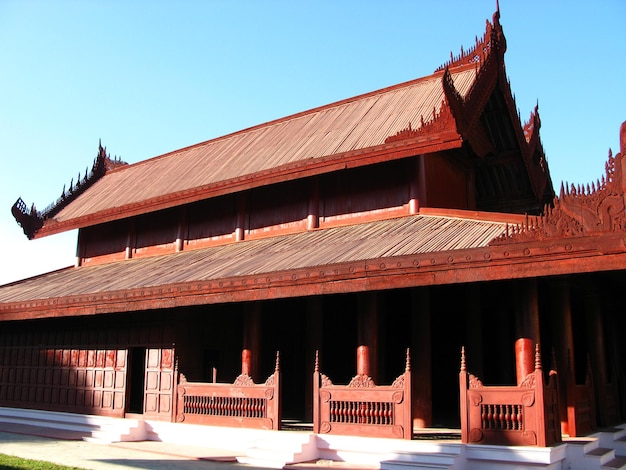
{"points": [[148, 77]]}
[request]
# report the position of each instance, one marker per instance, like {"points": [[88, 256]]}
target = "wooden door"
{"points": [[159, 384]]}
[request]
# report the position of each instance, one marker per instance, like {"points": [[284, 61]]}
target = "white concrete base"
{"points": [[276, 449]]}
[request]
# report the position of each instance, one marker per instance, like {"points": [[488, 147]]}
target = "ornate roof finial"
{"points": [[32, 221]]}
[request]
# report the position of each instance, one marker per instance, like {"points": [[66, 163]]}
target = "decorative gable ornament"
{"points": [[580, 210]]}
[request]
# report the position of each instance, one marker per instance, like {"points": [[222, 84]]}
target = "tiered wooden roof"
{"points": [[442, 111], [582, 231]]}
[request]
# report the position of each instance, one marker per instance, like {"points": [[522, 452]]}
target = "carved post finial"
{"points": [[317, 360], [463, 368], [407, 366], [277, 367], [537, 357]]}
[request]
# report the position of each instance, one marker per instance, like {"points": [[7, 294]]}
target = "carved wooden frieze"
{"points": [[243, 380], [441, 121], [361, 381], [579, 210]]}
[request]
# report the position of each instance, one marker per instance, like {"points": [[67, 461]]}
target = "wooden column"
{"points": [[252, 337], [595, 340], [421, 358], [415, 185], [560, 306], [526, 310], [314, 340], [615, 326], [421, 181], [313, 218], [367, 329], [130, 240], [181, 233], [474, 341], [240, 228], [526, 326]]}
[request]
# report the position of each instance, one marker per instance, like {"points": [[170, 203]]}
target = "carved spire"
{"points": [[463, 366], [317, 360], [492, 40], [277, 365], [407, 366]]}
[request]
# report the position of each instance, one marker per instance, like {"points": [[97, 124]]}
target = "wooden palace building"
{"points": [[372, 239]]}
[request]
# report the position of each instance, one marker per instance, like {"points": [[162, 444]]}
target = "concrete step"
{"points": [[283, 449], [93, 428], [618, 463], [406, 461]]}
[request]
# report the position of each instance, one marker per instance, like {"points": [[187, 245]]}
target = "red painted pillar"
{"points": [[368, 329], [563, 341], [314, 342], [527, 309], [246, 362], [363, 360], [524, 358], [252, 338], [421, 354]]}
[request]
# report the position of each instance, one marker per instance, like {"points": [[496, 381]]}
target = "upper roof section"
{"points": [[433, 113]]}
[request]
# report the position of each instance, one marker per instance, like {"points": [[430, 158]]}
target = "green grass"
{"points": [[8, 462]]}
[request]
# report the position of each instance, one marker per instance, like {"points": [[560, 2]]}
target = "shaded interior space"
{"points": [[47, 361]]}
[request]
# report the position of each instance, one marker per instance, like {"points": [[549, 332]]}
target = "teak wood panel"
{"points": [[365, 189], [159, 383], [80, 380], [103, 243], [581, 405], [211, 221]]}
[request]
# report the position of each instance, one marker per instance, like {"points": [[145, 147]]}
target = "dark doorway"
{"points": [[136, 380]]}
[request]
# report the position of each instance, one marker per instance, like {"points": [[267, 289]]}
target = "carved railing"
{"points": [[581, 407], [363, 408], [527, 414], [240, 404]]}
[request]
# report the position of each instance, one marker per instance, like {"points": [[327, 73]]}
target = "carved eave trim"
{"points": [[580, 211], [442, 122], [530, 145], [32, 221]]}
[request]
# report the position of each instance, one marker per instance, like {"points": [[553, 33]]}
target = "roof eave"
{"points": [[490, 263]]}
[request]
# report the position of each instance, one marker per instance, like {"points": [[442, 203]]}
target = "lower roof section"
{"points": [[402, 252]]}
